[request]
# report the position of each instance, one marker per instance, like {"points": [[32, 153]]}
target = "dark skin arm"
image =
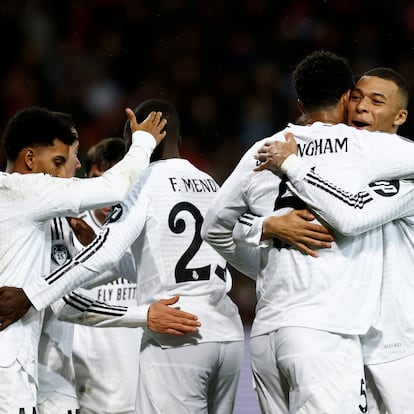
{"points": [[82, 230], [13, 305]]}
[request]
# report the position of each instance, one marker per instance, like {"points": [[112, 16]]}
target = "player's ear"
{"points": [[401, 117], [29, 157], [345, 98]]}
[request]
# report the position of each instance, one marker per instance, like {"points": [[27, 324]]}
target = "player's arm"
{"points": [[349, 213], [160, 317], [294, 228], [217, 229], [102, 254], [123, 226], [124, 268], [67, 197], [382, 156], [84, 233]]}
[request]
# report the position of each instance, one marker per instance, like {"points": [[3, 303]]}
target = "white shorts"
{"points": [[59, 403], [324, 372], [17, 391], [374, 400], [200, 378], [395, 383]]}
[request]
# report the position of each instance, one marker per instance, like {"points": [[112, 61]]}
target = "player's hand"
{"points": [[273, 153], [153, 123], [83, 231], [296, 229], [13, 305], [162, 318]]}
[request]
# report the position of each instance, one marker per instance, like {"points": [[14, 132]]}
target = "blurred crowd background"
{"points": [[225, 64]]}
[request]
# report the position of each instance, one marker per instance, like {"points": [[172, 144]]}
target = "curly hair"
{"points": [[321, 78], [37, 127]]}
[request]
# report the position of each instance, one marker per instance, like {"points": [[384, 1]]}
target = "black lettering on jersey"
{"points": [[286, 199], [173, 182], [386, 188], [197, 185], [323, 146], [115, 214], [60, 253]]}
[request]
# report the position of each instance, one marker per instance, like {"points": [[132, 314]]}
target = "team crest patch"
{"points": [[60, 253], [386, 188], [115, 214]]}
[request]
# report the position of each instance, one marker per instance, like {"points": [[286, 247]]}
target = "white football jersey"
{"points": [[393, 335], [339, 291], [161, 219], [55, 369], [27, 203], [387, 203], [106, 360]]}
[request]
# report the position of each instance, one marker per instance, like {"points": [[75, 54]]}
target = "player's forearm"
{"points": [[124, 268], [102, 254], [352, 213], [81, 309], [114, 184], [220, 237], [248, 231]]}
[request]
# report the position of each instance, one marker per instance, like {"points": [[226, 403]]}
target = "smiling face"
{"points": [[376, 105]]}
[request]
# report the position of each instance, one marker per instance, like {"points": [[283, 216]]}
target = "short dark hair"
{"points": [[393, 76], [37, 127], [105, 154], [158, 105], [321, 79]]}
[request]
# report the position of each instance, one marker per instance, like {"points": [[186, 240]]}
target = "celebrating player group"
{"points": [[319, 215]]}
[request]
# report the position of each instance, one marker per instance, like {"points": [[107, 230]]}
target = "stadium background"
{"points": [[225, 64]]}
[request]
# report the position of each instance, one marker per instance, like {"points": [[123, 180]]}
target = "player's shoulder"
{"points": [[29, 183]]}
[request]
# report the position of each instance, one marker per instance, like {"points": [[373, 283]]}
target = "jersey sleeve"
{"points": [[221, 217], [81, 309], [351, 213], [248, 231], [123, 226], [68, 197], [125, 268]]}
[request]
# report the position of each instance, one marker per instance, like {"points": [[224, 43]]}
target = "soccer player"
{"points": [[56, 391], [161, 220], [310, 312], [378, 102], [37, 144], [106, 358]]}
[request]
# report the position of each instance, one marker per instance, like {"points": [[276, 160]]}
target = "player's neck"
{"points": [[325, 116], [15, 167]]}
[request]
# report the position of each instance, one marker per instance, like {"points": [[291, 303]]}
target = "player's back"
{"points": [[339, 291], [170, 255]]}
